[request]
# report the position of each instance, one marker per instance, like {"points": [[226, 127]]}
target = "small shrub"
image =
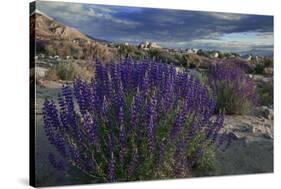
{"points": [[161, 55], [193, 60], [235, 90], [200, 52], [207, 161], [242, 64], [268, 62], [259, 69], [202, 77], [68, 71], [180, 60], [52, 75], [130, 51], [133, 122], [265, 93]]}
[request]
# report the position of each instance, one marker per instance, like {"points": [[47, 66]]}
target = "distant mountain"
{"points": [[36, 11], [257, 52]]}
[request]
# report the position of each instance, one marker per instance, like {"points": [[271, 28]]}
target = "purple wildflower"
{"points": [[111, 161], [59, 165], [133, 163], [121, 136], [129, 114]]}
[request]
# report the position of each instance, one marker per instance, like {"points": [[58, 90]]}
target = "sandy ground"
{"points": [[250, 152]]}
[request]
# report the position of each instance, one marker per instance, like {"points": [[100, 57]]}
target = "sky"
{"points": [[167, 27]]}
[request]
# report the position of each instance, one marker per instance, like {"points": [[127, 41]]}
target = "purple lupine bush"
{"points": [[235, 90], [242, 64], [133, 121]]}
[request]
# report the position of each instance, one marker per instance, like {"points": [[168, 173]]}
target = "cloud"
{"points": [[248, 42], [225, 16], [72, 13], [173, 28]]}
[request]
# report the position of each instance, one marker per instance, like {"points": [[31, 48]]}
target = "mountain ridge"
{"points": [[46, 27], [54, 38]]}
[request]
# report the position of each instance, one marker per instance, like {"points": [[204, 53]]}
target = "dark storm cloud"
{"points": [[187, 25], [175, 28]]}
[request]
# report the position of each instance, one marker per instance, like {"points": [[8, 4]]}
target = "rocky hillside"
{"points": [[47, 29], [55, 39]]}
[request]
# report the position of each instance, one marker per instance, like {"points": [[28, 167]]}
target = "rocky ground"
{"points": [[251, 149]]}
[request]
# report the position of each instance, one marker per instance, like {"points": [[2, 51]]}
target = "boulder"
{"points": [[245, 127], [268, 71], [265, 112], [268, 135]]}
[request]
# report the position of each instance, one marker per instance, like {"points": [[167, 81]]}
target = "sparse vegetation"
{"points": [[259, 68], [268, 62], [68, 71], [265, 93], [188, 60], [161, 55], [130, 51]]}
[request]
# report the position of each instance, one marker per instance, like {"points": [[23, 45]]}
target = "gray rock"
{"points": [[245, 127], [268, 71], [268, 126], [234, 136], [265, 112], [258, 130], [268, 136]]}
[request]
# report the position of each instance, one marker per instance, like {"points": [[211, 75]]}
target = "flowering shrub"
{"points": [[133, 121], [235, 90], [242, 64]]}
